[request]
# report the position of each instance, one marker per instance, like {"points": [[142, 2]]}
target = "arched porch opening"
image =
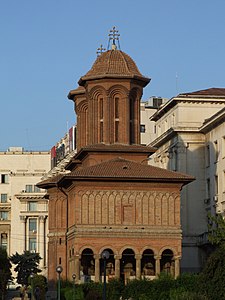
{"points": [[110, 266], [87, 268], [128, 265], [167, 262], [148, 264]]}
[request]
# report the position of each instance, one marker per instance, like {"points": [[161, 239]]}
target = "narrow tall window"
{"points": [[29, 188], [32, 225], [4, 241], [101, 132], [216, 151], [33, 244], [216, 185], [132, 121], [207, 156], [3, 215], [116, 117], [116, 131], [116, 108], [4, 178], [3, 198], [101, 120], [101, 108], [208, 188]]}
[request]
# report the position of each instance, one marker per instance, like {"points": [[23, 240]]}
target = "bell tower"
{"points": [[107, 101]]}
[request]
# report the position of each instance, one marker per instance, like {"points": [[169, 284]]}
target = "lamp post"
{"points": [[32, 285], [74, 277], [105, 256], [59, 270]]}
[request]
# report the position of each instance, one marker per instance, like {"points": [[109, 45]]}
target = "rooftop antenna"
{"points": [[114, 36], [100, 50]]}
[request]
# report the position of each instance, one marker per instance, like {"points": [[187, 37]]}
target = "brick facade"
{"points": [[112, 199]]}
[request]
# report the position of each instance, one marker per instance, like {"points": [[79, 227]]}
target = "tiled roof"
{"points": [[122, 168], [207, 92], [114, 63]]}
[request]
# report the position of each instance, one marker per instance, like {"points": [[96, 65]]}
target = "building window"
{"points": [[3, 215], [32, 225], [3, 198], [116, 108], [32, 244], [142, 128], [32, 206], [216, 185], [101, 132], [116, 132], [216, 151], [37, 189], [29, 188], [4, 178], [207, 156], [208, 189], [4, 242], [101, 108]]}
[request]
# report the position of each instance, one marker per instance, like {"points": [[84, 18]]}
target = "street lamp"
{"points": [[74, 277], [59, 270], [32, 285], [105, 256]]}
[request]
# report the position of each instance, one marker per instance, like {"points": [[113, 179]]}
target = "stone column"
{"points": [[42, 240], [157, 265], [138, 265], [77, 267], [117, 265], [97, 267], [23, 219], [177, 266]]}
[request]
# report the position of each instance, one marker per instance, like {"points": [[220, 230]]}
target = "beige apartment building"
{"points": [[190, 138], [23, 206]]}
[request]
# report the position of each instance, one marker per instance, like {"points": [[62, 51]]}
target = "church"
{"points": [[111, 198]]}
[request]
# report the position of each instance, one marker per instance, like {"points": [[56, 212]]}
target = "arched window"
{"points": [[116, 118], [101, 120], [132, 121]]}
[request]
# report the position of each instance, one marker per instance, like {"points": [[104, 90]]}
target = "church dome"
{"points": [[113, 64]]}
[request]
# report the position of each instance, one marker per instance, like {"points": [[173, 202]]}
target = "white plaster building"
{"points": [[23, 206], [214, 131], [147, 127], [189, 130]]}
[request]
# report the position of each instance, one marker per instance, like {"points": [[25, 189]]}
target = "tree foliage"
{"points": [[216, 228], [26, 264], [5, 272], [213, 276]]}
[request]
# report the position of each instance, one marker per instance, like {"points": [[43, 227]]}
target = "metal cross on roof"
{"points": [[114, 36], [100, 50]]}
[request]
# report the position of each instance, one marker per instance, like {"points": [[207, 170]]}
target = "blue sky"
{"points": [[47, 45]]}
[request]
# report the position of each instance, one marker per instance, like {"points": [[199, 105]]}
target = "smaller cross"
{"points": [[100, 50]]}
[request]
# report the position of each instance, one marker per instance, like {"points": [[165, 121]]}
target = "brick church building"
{"points": [[111, 199]]}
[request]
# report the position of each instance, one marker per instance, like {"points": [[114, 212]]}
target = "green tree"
{"points": [[26, 264], [216, 229], [5, 272], [213, 276]]}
